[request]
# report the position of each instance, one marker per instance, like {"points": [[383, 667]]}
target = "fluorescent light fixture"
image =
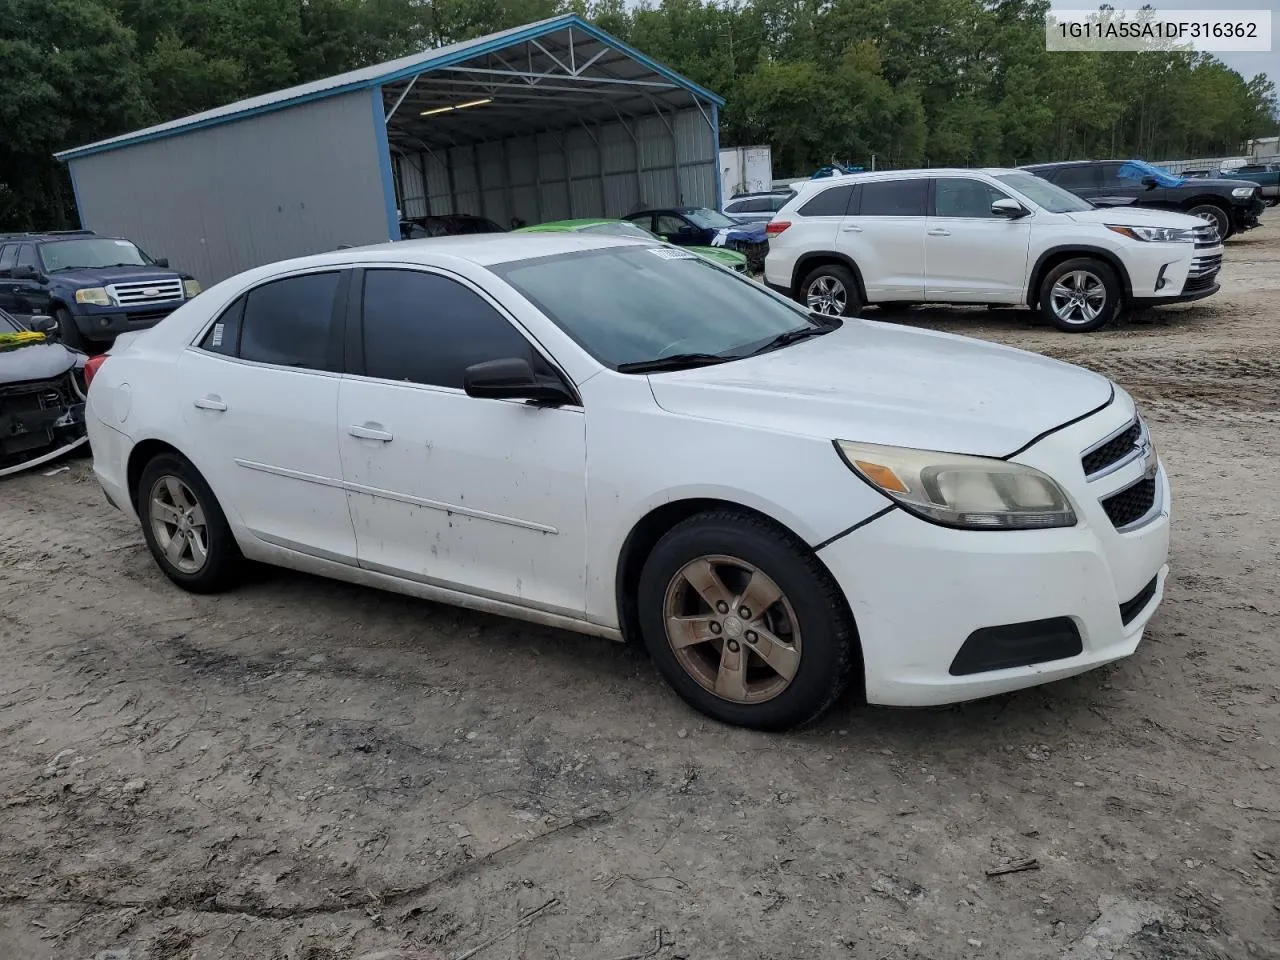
{"points": [[457, 106]]}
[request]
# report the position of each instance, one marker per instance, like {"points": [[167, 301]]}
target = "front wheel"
{"points": [[744, 622], [185, 528], [68, 332], [832, 291], [1080, 295], [1212, 213]]}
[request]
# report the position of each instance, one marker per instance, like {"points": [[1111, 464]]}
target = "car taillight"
{"points": [[91, 368], [775, 227]]}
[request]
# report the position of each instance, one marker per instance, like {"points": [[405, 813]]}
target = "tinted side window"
{"points": [[894, 198], [425, 328], [1109, 176], [224, 336], [8, 255], [962, 197], [738, 206], [666, 224], [778, 202], [758, 205], [27, 256], [832, 202], [288, 322], [1075, 178]]}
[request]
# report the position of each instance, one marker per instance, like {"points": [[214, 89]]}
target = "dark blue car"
{"points": [[702, 227], [95, 287]]}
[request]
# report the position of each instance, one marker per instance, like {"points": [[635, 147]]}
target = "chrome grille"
{"points": [[1206, 236], [145, 291], [1115, 451], [1205, 266]]}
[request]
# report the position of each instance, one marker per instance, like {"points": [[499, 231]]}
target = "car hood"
{"points": [[1126, 216], [1224, 183], [35, 361], [100, 276], [877, 383], [720, 255]]}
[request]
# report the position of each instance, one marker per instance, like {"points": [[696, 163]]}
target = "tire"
{"points": [[1212, 213], [175, 481], [806, 630], [1102, 295], [836, 293], [68, 332]]}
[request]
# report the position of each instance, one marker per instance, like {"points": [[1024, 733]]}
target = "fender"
{"points": [[1077, 249]]}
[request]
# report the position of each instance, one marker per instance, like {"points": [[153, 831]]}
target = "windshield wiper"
{"points": [[677, 361], [791, 336]]}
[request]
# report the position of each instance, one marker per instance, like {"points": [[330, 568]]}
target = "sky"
{"points": [[1247, 64]]}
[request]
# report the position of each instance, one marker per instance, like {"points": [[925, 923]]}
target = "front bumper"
{"points": [[918, 591], [1246, 216], [108, 323]]}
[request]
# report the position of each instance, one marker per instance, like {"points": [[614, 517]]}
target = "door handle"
{"points": [[851, 229], [370, 431], [939, 233], [211, 403]]}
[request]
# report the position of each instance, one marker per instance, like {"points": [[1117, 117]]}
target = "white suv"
{"points": [[1002, 237]]}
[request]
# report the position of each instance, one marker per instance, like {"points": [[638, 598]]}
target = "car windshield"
{"points": [[91, 252], [1044, 194], [629, 304], [709, 219], [619, 228]]}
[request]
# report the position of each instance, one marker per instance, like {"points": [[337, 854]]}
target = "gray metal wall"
{"points": [[598, 171], [221, 199]]}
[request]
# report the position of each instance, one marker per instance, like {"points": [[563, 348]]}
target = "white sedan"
{"points": [[617, 437]]}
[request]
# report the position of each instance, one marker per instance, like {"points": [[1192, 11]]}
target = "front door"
{"points": [[483, 496], [259, 397], [973, 255]]}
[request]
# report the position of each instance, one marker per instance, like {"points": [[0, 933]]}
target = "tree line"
{"points": [[910, 82]]}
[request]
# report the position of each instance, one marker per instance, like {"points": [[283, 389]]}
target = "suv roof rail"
{"points": [[50, 233]]}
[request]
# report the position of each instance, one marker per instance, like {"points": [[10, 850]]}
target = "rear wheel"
{"points": [[68, 332], [744, 622], [831, 290], [1080, 295], [184, 526], [1212, 213]]}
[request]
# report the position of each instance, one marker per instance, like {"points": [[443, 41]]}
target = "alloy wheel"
{"points": [[1078, 297], [178, 523], [827, 296], [732, 629]]}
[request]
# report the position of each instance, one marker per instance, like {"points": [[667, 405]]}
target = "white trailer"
{"points": [[746, 170]]}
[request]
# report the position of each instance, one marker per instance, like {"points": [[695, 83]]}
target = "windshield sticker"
{"points": [[217, 335], [669, 253]]}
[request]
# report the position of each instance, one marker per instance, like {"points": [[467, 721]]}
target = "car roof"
{"points": [[871, 177], [482, 249]]}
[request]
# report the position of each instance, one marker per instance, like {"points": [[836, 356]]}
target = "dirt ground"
{"points": [[312, 771]]}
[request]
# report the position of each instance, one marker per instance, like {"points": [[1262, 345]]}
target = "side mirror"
{"points": [[512, 378], [162, 262], [25, 272], [1008, 207], [42, 324], [1150, 183]]}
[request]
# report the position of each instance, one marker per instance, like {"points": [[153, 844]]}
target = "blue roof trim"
{"points": [[384, 162], [468, 53]]}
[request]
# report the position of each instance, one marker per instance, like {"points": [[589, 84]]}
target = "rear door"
{"points": [[8, 286], [973, 255], [259, 395], [883, 233]]}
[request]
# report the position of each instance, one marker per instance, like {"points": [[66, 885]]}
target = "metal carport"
{"points": [[551, 120]]}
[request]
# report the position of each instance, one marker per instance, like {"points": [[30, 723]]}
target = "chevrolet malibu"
{"points": [[617, 437]]}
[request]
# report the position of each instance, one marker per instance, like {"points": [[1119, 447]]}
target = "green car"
{"points": [[624, 228]]}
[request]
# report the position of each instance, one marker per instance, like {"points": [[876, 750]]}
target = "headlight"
{"points": [[1154, 234], [190, 288], [1242, 192], [975, 493], [98, 296]]}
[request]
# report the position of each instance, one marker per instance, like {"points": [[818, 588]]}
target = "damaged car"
{"points": [[42, 394]]}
